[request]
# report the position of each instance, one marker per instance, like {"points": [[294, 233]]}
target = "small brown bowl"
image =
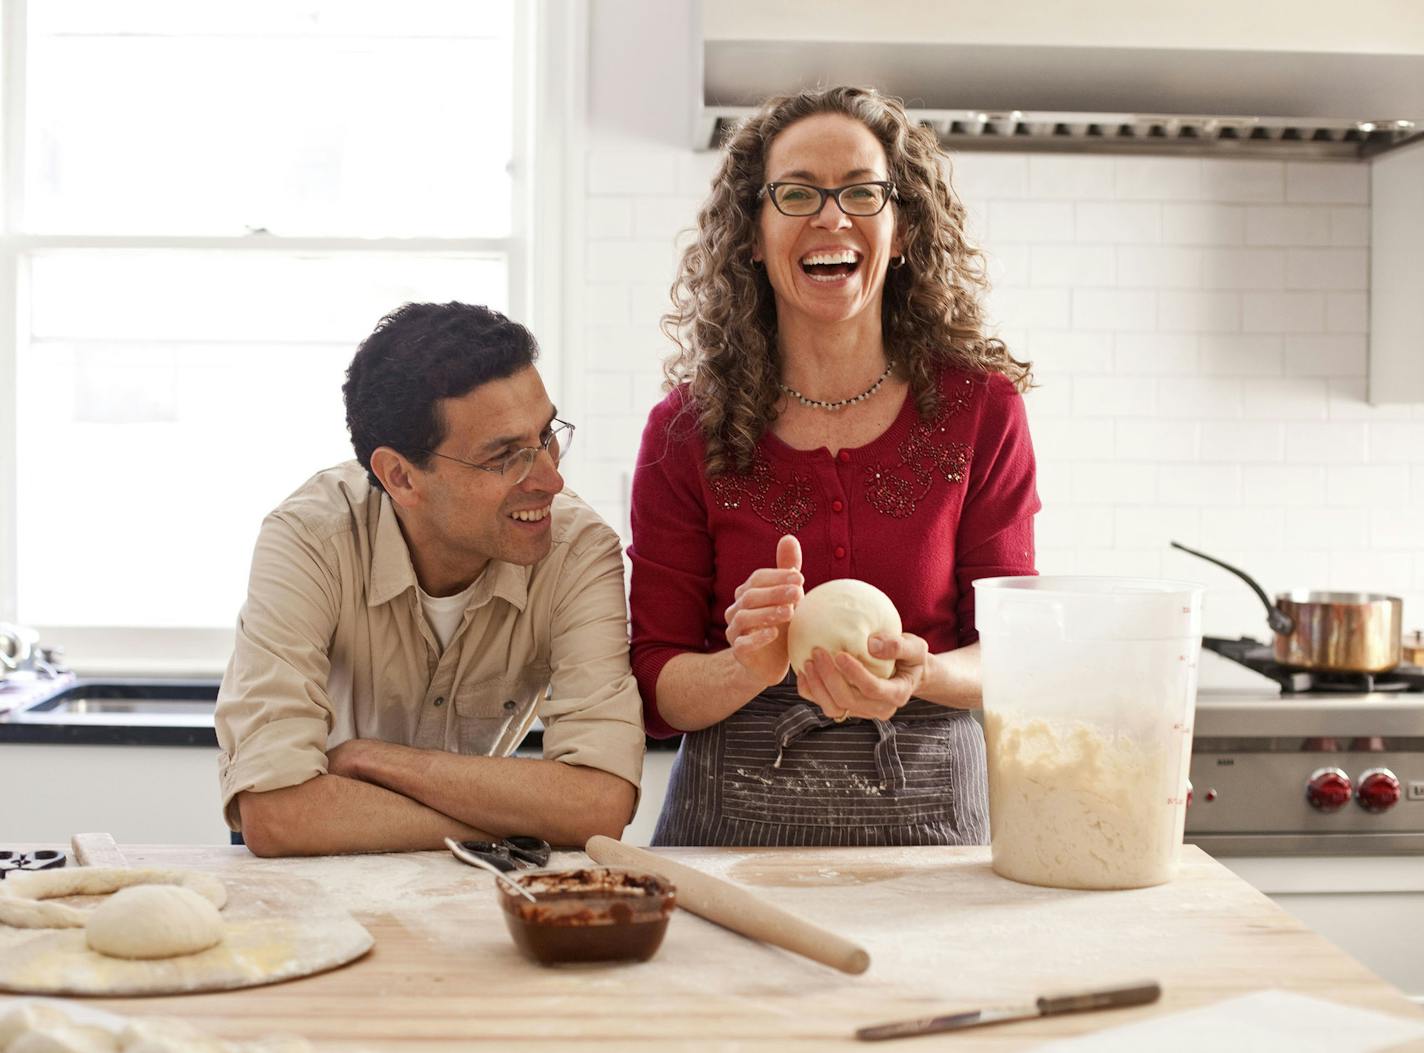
{"points": [[595, 914]]}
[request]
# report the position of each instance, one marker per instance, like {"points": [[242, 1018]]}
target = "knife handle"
{"points": [[1138, 994]]}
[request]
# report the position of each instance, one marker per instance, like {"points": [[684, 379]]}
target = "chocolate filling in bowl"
{"points": [[596, 914]]}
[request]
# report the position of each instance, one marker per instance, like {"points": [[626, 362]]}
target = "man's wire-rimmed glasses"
{"points": [[516, 466], [854, 199]]}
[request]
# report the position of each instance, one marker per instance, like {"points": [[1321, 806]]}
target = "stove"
{"points": [[1286, 762]]}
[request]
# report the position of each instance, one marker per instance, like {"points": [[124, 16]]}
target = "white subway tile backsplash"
{"points": [[1110, 482], [642, 172], [1327, 528], [988, 176], [1204, 486], [1205, 398], [1072, 177], [1283, 486], [1350, 226], [1333, 269], [1157, 267], [1072, 266], [1198, 312], [1114, 309], [1282, 312], [1155, 354], [1397, 442], [1253, 180], [1285, 225], [1241, 354], [1332, 182], [609, 217], [1158, 179], [1197, 326], [1244, 269], [1347, 312], [1030, 222], [1361, 486], [1334, 355], [1242, 442], [1159, 440], [1114, 396], [1325, 442], [1118, 222], [1211, 224], [1286, 398]]}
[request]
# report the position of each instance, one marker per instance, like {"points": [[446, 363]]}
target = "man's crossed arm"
{"points": [[382, 797]]}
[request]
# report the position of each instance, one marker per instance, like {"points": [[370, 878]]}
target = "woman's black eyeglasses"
{"points": [[803, 199]]}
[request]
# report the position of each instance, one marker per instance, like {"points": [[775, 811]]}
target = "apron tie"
{"points": [[802, 718]]}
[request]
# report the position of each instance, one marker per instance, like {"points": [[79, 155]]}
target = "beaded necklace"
{"points": [[839, 403]]}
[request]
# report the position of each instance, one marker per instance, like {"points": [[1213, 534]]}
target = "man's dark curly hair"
{"points": [[417, 355]]}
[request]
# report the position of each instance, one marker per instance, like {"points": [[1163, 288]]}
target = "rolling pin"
{"points": [[735, 908]]}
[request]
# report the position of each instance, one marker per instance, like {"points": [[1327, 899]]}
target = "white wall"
{"points": [[1198, 328]]}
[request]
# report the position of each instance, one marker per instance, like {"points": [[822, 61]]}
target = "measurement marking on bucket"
{"points": [[1176, 800], [1183, 728]]}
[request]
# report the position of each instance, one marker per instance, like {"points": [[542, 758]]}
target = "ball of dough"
{"points": [[841, 615], [154, 921]]}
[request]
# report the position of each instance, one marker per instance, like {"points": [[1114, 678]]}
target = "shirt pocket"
{"points": [[493, 715]]}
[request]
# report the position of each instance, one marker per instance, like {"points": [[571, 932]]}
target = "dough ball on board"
{"points": [[154, 921], [841, 615]]}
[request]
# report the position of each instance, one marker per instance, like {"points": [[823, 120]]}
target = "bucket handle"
{"points": [[1278, 619]]}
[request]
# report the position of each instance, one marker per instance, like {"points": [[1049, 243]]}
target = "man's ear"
{"points": [[400, 478]]}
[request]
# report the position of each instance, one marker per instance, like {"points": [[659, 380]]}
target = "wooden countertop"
{"points": [[944, 933]]}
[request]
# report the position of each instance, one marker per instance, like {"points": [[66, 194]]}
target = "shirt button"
{"points": [[840, 552], [843, 456], [509, 706], [440, 701], [838, 505]]}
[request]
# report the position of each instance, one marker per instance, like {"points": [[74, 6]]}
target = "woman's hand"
{"points": [[842, 686], [758, 617]]}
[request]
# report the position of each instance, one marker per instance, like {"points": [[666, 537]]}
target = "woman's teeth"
{"points": [[531, 515], [829, 266]]}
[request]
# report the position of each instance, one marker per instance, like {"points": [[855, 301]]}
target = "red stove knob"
{"points": [[1328, 790], [1379, 790]]}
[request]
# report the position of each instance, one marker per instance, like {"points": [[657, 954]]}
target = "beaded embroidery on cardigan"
{"points": [[925, 453], [787, 504]]}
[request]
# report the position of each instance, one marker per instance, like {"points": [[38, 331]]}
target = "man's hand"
{"points": [[354, 759]]}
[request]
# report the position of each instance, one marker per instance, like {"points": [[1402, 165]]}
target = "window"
{"points": [[207, 207]]}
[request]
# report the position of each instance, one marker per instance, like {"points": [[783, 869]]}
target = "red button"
{"points": [[838, 505], [840, 552], [844, 456]]}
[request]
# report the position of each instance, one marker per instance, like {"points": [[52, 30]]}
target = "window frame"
{"points": [[550, 44]]}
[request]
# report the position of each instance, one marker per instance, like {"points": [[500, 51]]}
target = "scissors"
{"points": [[40, 859], [515, 852]]}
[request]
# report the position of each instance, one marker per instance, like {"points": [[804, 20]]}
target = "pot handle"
{"points": [[1278, 619]]}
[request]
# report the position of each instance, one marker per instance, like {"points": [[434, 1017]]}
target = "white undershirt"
{"points": [[444, 613]]}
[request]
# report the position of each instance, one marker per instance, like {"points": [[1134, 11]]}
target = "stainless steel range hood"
{"points": [[1099, 76]]}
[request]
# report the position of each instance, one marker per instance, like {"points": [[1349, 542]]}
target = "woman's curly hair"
{"points": [[724, 312]]}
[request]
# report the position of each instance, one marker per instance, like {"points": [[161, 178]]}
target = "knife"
{"points": [[1113, 998]]}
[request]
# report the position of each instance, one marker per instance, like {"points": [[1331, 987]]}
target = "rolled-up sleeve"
{"points": [[593, 715], [273, 712]]}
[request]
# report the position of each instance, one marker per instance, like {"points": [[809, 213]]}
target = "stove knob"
{"points": [[1328, 790], [1379, 790]]}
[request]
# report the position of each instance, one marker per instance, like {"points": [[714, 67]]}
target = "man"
{"points": [[408, 611]]}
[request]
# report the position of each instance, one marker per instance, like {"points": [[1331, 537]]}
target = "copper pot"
{"points": [[1333, 632]]}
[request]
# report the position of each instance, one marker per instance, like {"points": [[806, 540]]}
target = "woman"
{"points": [[836, 411]]}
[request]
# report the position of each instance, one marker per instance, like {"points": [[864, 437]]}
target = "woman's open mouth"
{"points": [[834, 266]]}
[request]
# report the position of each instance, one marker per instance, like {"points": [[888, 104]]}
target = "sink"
{"points": [[123, 703]]}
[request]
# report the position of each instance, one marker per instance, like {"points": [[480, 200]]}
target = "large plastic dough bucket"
{"points": [[1089, 691]]}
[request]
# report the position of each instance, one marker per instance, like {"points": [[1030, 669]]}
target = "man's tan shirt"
{"points": [[333, 644]]}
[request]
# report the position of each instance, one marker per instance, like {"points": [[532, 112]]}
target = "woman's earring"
{"points": [[897, 262]]}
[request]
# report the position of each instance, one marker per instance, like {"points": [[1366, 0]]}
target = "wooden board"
{"points": [[944, 933], [277, 929]]}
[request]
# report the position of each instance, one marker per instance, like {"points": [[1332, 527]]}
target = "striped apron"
{"points": [[780, 772]]}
